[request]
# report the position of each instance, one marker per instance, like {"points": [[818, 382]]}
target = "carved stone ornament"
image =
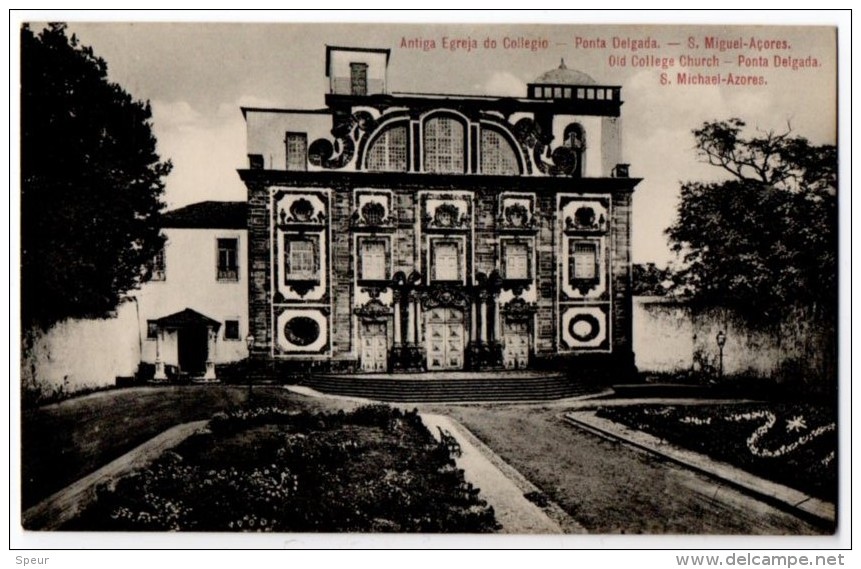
{"points": [[561, 161], [301, 212], [444, 296], [516, 215], [346, 132], [303, 287], [584, 219], [447, 216], [518, 310], [373, 311]]}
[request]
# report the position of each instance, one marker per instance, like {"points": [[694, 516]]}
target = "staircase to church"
{"points": [[454, 386]]}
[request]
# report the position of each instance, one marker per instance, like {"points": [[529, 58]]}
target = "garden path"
{"points": [[502, 490]]}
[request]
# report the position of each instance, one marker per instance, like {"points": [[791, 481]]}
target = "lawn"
{"points": [[789, 443], [65, 441], [373, 469]]}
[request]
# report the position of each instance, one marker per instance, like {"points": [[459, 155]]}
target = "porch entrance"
{"points": [[375, 347], [445, 339]]}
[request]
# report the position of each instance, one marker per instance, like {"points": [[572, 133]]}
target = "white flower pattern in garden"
{"points": [[762, 430], [796, 424], [696, 420]]}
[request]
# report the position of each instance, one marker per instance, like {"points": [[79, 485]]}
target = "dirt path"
{"points": [[611, 488]]}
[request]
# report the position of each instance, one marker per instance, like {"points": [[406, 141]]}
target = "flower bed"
{"points": [[375, 469], [792, 444]]}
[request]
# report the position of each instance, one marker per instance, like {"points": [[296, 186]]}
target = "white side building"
{"points": [[194, 309]]}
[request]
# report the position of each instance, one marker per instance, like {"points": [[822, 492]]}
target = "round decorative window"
{"points": [[302, 331], [584, 327]]}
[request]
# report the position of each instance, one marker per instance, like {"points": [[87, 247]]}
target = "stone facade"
{"points": [[430, 232]]}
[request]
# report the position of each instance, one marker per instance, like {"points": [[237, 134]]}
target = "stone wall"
{"points": [[670, 337], [83, 353]]}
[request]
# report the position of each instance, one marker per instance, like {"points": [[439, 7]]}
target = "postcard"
{"points": [[380, 280]]}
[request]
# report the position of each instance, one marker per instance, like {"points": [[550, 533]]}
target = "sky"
{"points": [[197, 76]]}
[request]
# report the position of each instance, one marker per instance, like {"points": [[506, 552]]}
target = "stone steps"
{"points": [[489, 387]]}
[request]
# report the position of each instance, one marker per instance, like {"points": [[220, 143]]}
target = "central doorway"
{"points": [[192, 349], [445, 339]]}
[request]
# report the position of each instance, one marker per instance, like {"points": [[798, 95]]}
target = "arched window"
{"points": [[497, 155], [443, 146], [388, 152]]}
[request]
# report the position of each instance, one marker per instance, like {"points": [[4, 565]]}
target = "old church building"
{"points": [[420, 232]]}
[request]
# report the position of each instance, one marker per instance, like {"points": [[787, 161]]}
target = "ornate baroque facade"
{"points": [[398, 231]]}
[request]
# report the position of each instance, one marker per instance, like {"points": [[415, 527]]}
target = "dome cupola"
{"points": [[562, 75]]}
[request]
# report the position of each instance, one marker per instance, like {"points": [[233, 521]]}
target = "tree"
{"points": [[650, 280], [91, 182], [766, 239]]}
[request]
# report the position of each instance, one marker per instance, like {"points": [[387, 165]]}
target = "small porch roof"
{"points": [[187, 317]]}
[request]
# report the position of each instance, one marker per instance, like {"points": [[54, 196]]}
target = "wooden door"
{"points": [[445, 339], [374, 356], [515, 353]]}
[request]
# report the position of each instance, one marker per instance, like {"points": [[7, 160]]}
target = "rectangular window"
{"points": [[157, 272], [228, 259], [516, 259], [151, 330], [231, 329], [583, 261], [446, 261], [297, 151], [255, 161], [359, 79], [373, 260], [300, 259]]}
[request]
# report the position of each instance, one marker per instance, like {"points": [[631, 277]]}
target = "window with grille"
{"points": [[443, 146], [300, 259], [373, 261], [388, 153], [228, 260], [497, 155], [359, 79], [516, 259], [297, 150], [446, 261], [584, 261], [151, 329]]}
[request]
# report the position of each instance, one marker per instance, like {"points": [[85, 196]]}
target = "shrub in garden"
{"points": [[375, 469]]}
